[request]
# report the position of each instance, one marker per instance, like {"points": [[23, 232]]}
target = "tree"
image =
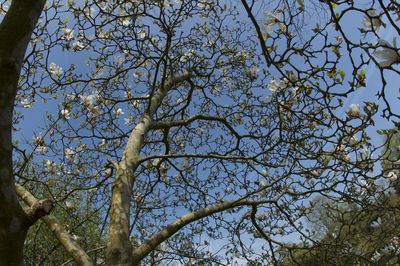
{"points": [[15, 31], [357, 234], [187, 123]]}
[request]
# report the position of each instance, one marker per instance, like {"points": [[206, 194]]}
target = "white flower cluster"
{"points": [[90, 103], [371, 21], [187, 55], [51, 167], [277, 84], [69, 155], [65, 114], [40, 145], [354, 111], [273, 21], [69, 35], [55, 70]]}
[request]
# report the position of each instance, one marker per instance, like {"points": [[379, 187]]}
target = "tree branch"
{"points": [[185, 122], [76, 252], [38, 210], [118, 244], [143, 250]]}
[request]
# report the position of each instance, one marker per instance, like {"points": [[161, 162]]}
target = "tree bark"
{"points": [[15, 32], [119, 248]]}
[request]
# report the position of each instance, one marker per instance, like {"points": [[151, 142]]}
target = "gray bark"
{"points": [[119, 248]]}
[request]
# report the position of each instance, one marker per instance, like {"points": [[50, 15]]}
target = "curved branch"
{"points": [[76, 252], [143, 250], [185, 122]]}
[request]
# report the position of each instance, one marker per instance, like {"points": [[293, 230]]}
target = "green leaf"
{"points": [[301, 3], [341, 73], [362, 73], [381, 132]]}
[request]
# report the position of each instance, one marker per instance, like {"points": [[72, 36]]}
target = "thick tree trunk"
{"points": [[15, 32], [119, 249]]}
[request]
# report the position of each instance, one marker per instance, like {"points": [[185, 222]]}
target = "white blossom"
{"points": [[252, 73], [103, 143], [70, 205], [354, 141], [68, 34], [141, 34], [42, 150], [262, 184], [65, 114], [26, 103], [199, 130], [69, 155], [365, 154], [88, 100], [276, 85], [128, 121], [55, 70], [354, 110], [81, 147], [392, 176], [365, 186], [103, 5], [187, 55], [271, 21], [228, 190], [135, 104], [376, 256], [205, 4], [119, 112], [376, 223], [388, 53], [94, 111], [89, 11], [126, 21], [39, 140], [346, 158], [371, 21], [78, 46], [3, 9], [50, 166], [120, 59], [273, 18]]}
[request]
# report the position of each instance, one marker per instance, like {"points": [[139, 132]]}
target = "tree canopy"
{"points": [[197, 132]]}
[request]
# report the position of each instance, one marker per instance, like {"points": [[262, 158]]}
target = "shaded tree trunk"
{"points": [[15, 32]]}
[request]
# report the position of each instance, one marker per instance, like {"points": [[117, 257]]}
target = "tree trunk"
{"points": [[15, 32], [119, 248]]}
